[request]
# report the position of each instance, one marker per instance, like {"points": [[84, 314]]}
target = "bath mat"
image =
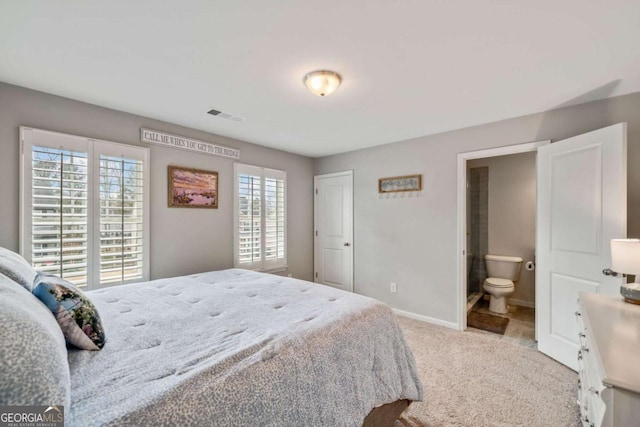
{"points": [[487, 322]]}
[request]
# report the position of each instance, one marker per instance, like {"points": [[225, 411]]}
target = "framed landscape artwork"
{"points": [[192, 188]]}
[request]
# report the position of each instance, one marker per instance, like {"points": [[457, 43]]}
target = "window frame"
{"points": [[264, 265], [94, 148]]}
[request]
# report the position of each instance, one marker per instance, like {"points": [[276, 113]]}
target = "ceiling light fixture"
{"points": [[322, 83]]}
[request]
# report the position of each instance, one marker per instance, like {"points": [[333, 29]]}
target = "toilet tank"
{"points": [[503, 267]]}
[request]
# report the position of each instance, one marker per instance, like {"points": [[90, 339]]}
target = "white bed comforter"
{"points": [[239, 348]]}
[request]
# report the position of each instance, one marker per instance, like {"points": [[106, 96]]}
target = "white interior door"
{"points": [[582, 205], [334, 230]]}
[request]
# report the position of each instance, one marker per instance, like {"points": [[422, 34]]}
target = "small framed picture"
{"points": [[400, 183], [192, 188]]}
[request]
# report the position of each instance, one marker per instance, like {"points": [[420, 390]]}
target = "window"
{"points": [[121, 219], [84, 207], [260, 218]]}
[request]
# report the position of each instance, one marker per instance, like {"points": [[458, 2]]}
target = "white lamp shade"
{"points": [[625, 256], [322, 83]]}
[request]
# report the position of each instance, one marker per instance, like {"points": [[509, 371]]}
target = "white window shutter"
{"points": [[121, 218], [84, 208], [275, 219], [260, 218], [59, 229]]}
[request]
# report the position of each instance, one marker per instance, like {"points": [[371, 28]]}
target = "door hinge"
{"points": [[316, 191], [316, 274], [316, 233]]}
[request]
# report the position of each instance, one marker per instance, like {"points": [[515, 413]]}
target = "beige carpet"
{"points": [[474, 379]]}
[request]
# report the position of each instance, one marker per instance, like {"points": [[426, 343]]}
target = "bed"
{"points": [[237, 347]]}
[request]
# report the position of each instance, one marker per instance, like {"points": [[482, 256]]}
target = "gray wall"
{"points": [[512, 214], [412, 241], [183, 241]]}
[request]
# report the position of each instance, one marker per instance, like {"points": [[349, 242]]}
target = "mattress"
{"points": [[237, 347]]}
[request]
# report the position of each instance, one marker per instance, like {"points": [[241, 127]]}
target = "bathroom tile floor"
{"points": [[521, 328]]}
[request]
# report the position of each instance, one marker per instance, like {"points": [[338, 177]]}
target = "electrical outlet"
{"points": [[393, 287]]}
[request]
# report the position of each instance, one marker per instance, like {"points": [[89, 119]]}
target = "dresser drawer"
{"points": [[592, 406], [608, 371]]}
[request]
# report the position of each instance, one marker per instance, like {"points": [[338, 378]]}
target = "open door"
{"points": [[582, 205]]}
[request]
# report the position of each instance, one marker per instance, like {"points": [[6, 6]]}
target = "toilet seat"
{"points": [[496, 282]]}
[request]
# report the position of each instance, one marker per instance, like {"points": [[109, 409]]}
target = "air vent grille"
{"points": [[227, 116]]}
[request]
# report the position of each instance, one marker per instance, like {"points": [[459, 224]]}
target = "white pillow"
{"points": [[33, 354], [17, 268]]}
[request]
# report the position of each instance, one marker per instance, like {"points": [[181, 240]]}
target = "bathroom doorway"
{"points": [[501, 222], [497, 209]]}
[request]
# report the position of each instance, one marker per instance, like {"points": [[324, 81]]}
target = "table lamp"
{"points": [[625, 258]]}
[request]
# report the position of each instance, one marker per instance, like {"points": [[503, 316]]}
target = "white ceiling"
{"points": [[410, 68]]}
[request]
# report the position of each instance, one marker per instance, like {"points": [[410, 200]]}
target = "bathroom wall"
{"points": [[512, 214], [478, 226]]}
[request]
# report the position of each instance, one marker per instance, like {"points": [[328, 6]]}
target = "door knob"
{"points": [[347, 244], [610, 272]]}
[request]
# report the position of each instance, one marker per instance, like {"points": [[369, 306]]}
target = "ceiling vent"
{"points": [[228, 116]]}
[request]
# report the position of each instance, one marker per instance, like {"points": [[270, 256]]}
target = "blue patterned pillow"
{"points": [[74, 311], [16, 268]]}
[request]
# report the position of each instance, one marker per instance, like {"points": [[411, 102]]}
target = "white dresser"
{"points": [[608, 361]]}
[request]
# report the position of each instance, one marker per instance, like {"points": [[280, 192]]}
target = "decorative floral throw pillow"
{"points": [[74, 311]]}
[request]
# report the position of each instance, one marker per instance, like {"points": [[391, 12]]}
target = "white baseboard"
{"points": [[521, 303], [426, 319]]}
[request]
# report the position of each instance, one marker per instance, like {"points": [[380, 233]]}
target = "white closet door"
{"points": [[334, 230]]}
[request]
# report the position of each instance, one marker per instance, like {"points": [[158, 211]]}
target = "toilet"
{"points": [[503, 272]]}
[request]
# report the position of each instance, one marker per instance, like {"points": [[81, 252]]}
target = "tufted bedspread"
{"points": [[239, 348]]}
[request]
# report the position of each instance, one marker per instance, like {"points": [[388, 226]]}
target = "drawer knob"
{"points": [[594, 391], [578, 313], [585, 349], [582, 335]]}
